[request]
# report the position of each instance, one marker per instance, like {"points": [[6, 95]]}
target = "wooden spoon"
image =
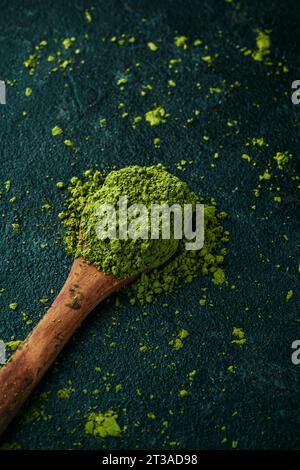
{"points": [[85, 288]]}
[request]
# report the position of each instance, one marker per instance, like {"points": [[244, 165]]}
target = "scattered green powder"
{"points": [[56, 130], [289, 295], [239, 336], [183, 334], [102, 121], [123, 257], [219, 276], [70, 144], [215, 90], [265, 176], [259, 141], [65, 393], [88, 16], [246, 157], [282, 159], [263, 43], [181, 41], [136, 120], [13, 306], [192, 375], [13, 345], [156, 117], [68, 42], [177, 343], [122, 81], [153, 47], [197, 42], [208, 59], [103, 425], [156, 142], [35, 414], [16, 228]]}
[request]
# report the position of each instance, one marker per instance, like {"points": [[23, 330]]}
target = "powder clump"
{"points": [[263, 43], [156, 116], [103, 425]]}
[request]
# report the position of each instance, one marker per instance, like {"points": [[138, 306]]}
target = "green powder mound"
{"points": [[186, 265], [103, 425], [81, 192], [183, 266], [141, 185]]}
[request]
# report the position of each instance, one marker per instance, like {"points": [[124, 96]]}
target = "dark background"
{"points": [[257, 406]]}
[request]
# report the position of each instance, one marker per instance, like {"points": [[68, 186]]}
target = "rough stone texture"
{"points": [[259, 404]]}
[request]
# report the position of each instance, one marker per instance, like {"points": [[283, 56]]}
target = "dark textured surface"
{"points": [[259, 404]]}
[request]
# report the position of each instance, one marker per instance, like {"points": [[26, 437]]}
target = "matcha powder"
{"points": [[103, 425], [163, 264]]}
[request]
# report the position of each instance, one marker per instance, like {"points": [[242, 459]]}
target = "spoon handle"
{"points": [[85, 288]]}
